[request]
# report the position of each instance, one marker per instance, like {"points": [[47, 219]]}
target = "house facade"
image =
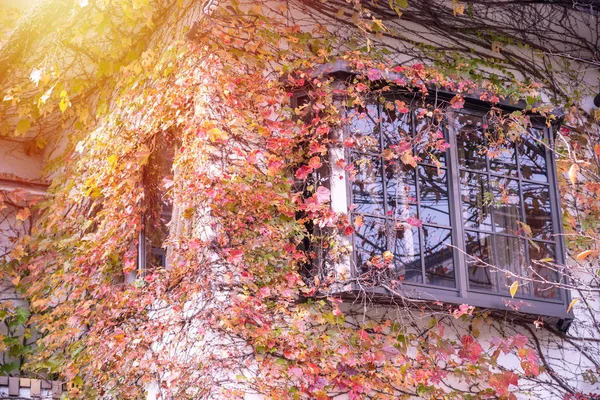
{"points": [[447, 247]]}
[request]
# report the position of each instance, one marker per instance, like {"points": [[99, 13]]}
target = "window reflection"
{"points": [[434, 195], [507, 205], [470, 141], [407, 252], [364, 127], [367, 187], [395, 126], [430, 140], [476, 200], [371, 240], [480, 254], [401, 187], [510, 256], [532, 157], [438, 256], [537, 210], [503, 160], [545, 274], [503, 191]]}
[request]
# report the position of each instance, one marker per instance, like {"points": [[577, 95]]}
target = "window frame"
{"points": [[555, 310]]}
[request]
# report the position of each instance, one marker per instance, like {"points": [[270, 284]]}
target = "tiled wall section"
{"points": [[25, 388]]}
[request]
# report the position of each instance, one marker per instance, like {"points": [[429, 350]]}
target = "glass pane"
{"points": [[503, 160], [532, 156], [439, 261], [430, 141], [480, 253], [407, 252], [476, 200], [364, 127], [545, 274], [370, 240], [367, 187], [537, 210], [510, 256], [507, 208], [433, 191], [470, 141], [401, 190], [395, 124]]}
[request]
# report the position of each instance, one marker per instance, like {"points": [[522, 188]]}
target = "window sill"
{"points": [[529, 310]]}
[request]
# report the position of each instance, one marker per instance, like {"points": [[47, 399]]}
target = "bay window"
{"points": [[465, 209]]}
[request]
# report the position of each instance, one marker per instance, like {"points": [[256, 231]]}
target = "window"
{"points": [[465, 211]]}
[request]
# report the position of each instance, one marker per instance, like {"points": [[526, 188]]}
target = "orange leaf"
{"points": [[408, 159], [573, 171], [217, 134], [23, 214], [585, 254]]}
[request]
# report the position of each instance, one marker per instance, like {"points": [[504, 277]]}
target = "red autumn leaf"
{"points": [[235, 256], [315, 147], [363, 335], [401, 147], [414, 222], [315, 163], [303, 172], [322, 195], [349, 142], [471, 350], [401, 107], [361, 87], [457, 102], [374, 74], [501, 382]]}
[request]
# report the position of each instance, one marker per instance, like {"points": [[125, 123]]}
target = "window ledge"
{"points": [[529, 310]]}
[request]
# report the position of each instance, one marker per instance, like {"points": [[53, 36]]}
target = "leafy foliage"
{"points": [[234, 312]]}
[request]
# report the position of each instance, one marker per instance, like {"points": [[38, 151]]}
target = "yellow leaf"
{"points": [[513, 288], [23, 126], [526, 228], [388, 256], [573, 171], [340, 12], [64, 101], [408, 159], [217, 134], [585, 254], [572, 303], [458, 8], [112, 160]]}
